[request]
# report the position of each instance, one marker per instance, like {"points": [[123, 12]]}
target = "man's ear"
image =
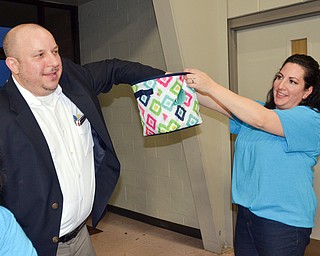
{"points": [[13, 64]]}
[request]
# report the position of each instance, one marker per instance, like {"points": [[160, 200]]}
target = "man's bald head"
{"points": [[32, 55], [15, 37]]}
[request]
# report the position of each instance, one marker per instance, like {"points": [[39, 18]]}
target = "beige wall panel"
{"points": [[196, 34], [271, 4], [203, 44], [239, 8]]}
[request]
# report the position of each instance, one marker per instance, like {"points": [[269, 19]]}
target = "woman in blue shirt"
{"points": [[277, 146], [13, 241]]}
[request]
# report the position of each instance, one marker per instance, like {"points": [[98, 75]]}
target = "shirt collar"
{"points": [[32, 100]]}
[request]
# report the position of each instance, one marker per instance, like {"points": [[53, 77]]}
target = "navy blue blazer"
{"points": [[32, 190]]}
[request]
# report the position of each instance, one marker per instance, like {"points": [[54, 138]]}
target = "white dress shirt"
{"points": [[71, 147]]}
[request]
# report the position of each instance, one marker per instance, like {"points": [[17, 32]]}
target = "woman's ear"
{"points": [[307, 92], [13, 64]]}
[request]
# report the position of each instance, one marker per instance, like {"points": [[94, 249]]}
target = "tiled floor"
{"points": [[313, 248], [123, 236]]}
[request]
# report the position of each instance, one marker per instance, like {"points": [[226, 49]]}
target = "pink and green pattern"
{"points": [[166, 104]]}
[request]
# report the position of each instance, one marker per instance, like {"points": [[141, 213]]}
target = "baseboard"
{"points": [[189, 231]]}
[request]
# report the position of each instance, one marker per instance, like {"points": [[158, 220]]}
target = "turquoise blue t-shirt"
{"points": [[273, 175], [13, 241]]}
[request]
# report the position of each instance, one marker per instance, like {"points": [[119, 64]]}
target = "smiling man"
{"points": [[59, 160]]}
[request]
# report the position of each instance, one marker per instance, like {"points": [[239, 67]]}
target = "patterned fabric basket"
{"points": [[166, 104]]}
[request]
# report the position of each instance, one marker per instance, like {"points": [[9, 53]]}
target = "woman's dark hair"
{"points": [[311, 78]]}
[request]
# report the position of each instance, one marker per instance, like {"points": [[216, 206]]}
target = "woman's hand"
{"points": [[199, 80], [203, 84]]}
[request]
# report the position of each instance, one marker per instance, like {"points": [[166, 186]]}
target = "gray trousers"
{"points": [[81, 245]]}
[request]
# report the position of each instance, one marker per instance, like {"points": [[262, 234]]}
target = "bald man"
{"points": [[59, 160]]}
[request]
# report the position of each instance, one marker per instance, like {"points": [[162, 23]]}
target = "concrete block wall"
{"points": [[120, 29], [154, 178]]}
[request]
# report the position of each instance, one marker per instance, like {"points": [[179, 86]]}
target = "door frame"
{"points": [[273, 16]]}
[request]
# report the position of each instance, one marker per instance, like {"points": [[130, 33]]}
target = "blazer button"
{"points": [[55, 206], [55, 239]]}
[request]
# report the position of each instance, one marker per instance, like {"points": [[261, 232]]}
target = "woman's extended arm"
{"points": [[227, 102], [209, 102]]}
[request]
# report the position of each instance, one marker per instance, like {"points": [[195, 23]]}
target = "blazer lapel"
{"points": [[29, 125]]}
